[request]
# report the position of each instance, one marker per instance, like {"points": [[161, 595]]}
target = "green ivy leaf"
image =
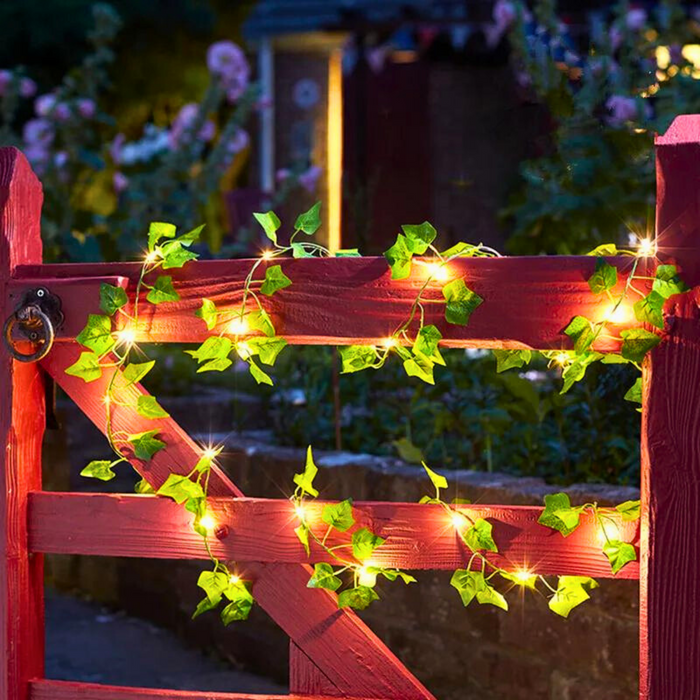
{"points": [[472, 584], [357, 357], [163, 291], [420, 366], [270, 224], [479, 536], [208, 313], [302, 532], [305, 480], [629, 510], [299, 251], [203, 606], [136, 371], [146, 444], [347, 253], [357, 598], [148, 407], [619, 553], [461, 250], [408, 451], [213, 348], [175, 255], [507, 359], [604, 277], [634, 393], [668, 282], [461, 302], [637, 343], [364, 543], [310, 221], [261, 321], [426, 342], [419, 236], [258, 374], [392, 574], [650, 310], [187, 239], [577, 369], [99, 469], [112, 298], [324, 577], [438, 481], [607, 249], [267, 349], [571, 592], [559, 515], [241, 602], [87, 367], [399, 258], [275, 280], [180, 489], [213, 583], [143, 487], [581, 332], [157, 231], [97, 334], [339, 515]]}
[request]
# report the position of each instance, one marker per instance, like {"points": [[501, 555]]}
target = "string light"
{"points": [[522, 576], [562, 359], [151, 257], [438, 271], [106, 399], [389, 343], [207, 522], [126, 337], [234, 579], [647, 248], [365, 577], [459, 521], [300, 510], [210, 453], [239, 326], [267, 255], [608, 531], [621, 313]]}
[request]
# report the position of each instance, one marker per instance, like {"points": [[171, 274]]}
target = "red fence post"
{"points": [[22, 424], [670, 541]]}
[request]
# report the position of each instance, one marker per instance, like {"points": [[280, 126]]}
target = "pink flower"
{"points": [[184, 120], [86, 108], [27, 87], [282, 174], [239, 141], [120, 182], [225, 58], [623, 109], [5, 80], [636, 19], [38, 156], [60, 159], [504, 13], [38, 133], [309, 178], [44, 104], [115, 148], [615, 38]]}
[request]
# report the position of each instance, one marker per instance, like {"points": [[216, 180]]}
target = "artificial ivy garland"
{"points": [[416, 344]]}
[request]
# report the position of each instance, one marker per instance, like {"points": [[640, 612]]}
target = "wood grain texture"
{"points": [[305, 677], [670, 534], [262, 530], [341, 301], [355, 661], [21, 426], [66, 690]]}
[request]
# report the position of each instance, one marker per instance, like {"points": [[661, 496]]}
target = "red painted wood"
{"points": [[340, 301], [262, 530], [21, 426], [305, 677], [350, 655], [65, 690], [670, 539]]}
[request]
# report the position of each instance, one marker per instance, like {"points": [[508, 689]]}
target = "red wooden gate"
{"points": [[528, 301]]}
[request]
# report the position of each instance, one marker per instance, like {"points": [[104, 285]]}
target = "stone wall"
{"points": [[458, 653]]}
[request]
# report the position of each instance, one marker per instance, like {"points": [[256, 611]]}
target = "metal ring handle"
{"points": [[46, 342]]}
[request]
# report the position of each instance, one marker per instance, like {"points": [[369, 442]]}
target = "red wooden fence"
{"points": [[339, 301]]}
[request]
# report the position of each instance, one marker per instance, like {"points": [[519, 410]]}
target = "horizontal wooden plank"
{"points": [[66, 690], [341, 301], [262, 530]]}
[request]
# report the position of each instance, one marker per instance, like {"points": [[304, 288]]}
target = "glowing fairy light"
{"points": [[151, 257], [365, 577], [234, 579], [210, 453], [608, 530], [562, 359], [300, 510], [646, 248], [459, 521], [267, 255], [389, 343], [207, 522], [438, 271], [106, 399], [522, 576], [126, 337], [239, 326], [621, 313]]}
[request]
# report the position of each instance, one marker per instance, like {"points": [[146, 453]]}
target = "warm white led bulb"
{"points": [[239, 326], [366, 577]]}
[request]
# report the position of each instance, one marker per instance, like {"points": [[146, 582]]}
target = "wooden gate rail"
{"points": [[528, 301], [262, 530]]}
